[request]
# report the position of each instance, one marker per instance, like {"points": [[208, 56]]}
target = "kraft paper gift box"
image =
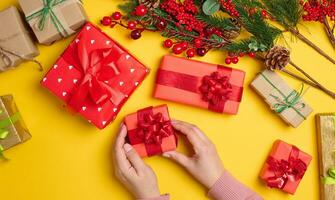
{"points": [[150, 131], [282, 99], [16, 44], [285, 167], [52, 20], [325, 124], [13, 130], [95, 76], [210, 86]]}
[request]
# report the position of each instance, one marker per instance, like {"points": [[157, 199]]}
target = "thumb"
{"points": [[178, 157], [133, 157]]}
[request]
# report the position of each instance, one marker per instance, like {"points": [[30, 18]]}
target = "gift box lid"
{"points": [[117, 76]]}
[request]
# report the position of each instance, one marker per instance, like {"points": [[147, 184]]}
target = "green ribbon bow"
{"points": [[3, 132], [330, 179], [286, 102], [45, 13]]}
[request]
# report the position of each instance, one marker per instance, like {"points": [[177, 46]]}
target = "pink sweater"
{"points": [[225, 188]]}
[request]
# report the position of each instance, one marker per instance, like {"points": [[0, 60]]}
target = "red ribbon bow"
{"points": [[154, 128], [215, 88], [292, 170], [97, 67]]}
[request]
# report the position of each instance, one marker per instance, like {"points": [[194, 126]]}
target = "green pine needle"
{"points": [[239, 46], [128, 7], [217, 21], [258, 27], [286, 12]]}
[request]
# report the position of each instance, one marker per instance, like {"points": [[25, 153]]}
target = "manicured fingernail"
{"points": [[127, 147], [166, 155]]}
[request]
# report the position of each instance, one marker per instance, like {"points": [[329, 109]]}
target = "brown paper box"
{"points": [[14, 37], [18, 132], [70, 13], [325, 124], [266, 90]]}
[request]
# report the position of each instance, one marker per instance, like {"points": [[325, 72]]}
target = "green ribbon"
{"points": [[47, 11], [286, 102], [3, 132], [330, 179]]}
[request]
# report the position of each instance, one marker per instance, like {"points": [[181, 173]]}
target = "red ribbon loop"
{"points": [[292, 169], [215, 88], [97, 66], [153, 128]]}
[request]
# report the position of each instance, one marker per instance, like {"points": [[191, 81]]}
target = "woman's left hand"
{"points": [[130, 169]]}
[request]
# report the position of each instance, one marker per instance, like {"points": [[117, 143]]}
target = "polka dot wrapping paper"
{"points": [[95, 76]]}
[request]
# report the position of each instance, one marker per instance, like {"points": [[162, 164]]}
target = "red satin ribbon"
{"points": [[292, 169], [152, 128], [215, 88], [97, 66]]}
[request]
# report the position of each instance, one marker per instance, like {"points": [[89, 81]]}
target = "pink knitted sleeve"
{"points": [[228, 188], [163, 197]]}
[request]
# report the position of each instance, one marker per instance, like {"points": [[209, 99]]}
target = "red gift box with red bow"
{"points": [[285, 167], [200, 84], [95, 76], [150, 131]]}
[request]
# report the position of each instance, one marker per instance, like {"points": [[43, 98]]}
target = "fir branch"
{"points": [[128, 7], [286, 12], [217, 21], [239, 46], [249, 3], [258, 27]]}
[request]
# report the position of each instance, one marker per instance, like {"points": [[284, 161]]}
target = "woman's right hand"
{"points": [[205, 165]]}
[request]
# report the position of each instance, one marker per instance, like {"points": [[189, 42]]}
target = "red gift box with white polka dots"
{"points": [[95, 76]]}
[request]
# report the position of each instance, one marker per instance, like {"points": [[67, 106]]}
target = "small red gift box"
{"points": [[285, 167], [95, 76], [150, 131], [200, 84]]}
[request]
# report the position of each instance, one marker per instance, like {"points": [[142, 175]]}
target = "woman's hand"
{"points": [[205, 165], [130, 169]]}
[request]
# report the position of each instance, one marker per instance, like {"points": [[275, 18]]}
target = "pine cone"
{"points": [[277, 58], [150, 3], [236, 22], [231, 34]]}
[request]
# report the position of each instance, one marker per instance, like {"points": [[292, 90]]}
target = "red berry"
{"points": [[252, 11], [228, 61], [252, 54], [234, 60], [135, 34], [168, 43], [197, 42], [264, 13], [184, 45], [141, 10], [241, 54], [131, 25], [177, 49], [190, 53], [116, 15], [201, 51], [106, 21], [161, 24]]}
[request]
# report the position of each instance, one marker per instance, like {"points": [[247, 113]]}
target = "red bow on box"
{"points": [[97, 67], [292, 169], [215, 88], [153, 128]]}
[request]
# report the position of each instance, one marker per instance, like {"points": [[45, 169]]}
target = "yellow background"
{"points": [[69, 159]]}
